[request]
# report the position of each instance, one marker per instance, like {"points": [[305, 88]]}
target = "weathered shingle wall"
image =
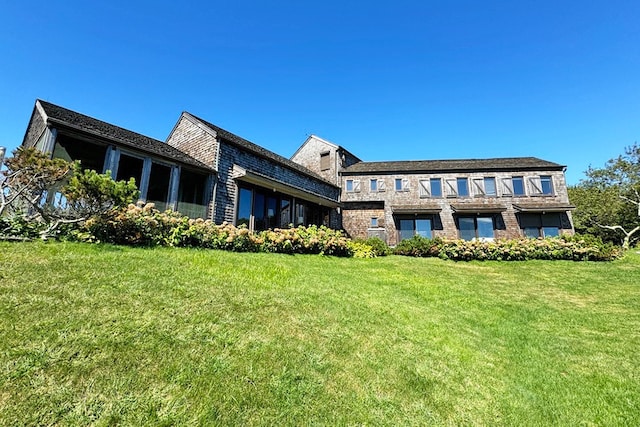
{"points": [[231, 154], [357, 221], [37, 125]]}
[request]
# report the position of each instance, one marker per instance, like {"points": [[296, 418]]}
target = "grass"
{"points": [[107, 335]]}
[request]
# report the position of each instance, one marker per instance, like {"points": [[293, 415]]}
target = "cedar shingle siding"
{"points": [[366, 198]]}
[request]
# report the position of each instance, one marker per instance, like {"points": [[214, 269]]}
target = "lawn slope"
{"points": [[110, 335]]}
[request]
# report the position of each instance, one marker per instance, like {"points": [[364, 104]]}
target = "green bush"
{"points": [[377, 245], [419, 246]]}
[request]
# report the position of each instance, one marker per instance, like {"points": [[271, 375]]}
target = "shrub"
{"points": [[361, 249], [143, 225], [377, 245], [419, 246]]}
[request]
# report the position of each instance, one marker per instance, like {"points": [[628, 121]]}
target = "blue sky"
{"points": [[402, 80]]}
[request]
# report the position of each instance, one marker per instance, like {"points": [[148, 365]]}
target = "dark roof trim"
{"points": [[542, 208], [469, 208], [506, 164], [415, 209], [65, 119], [258, 150]]}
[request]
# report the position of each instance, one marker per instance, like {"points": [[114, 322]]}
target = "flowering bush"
{"points": [[143, 225], [576, 248]]}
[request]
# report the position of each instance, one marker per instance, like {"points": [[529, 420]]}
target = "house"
{"points": [[201, 170], [205, 171], [468, 199]]}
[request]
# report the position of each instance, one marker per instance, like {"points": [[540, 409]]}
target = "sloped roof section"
{"points": [[461, 165], [64, 117], [258, 150]]}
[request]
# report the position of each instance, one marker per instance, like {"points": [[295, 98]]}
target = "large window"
{"points": [[540, 225], [472, 227], [90, 155], [192, 194], [419, 226], [159, 183], [262, 209]]}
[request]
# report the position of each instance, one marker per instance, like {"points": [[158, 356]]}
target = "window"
{"points": [[518, 185], [402, 184], [374, 222], [159, 183], [462, 186], [546, 184], [480, 227], [409, 227], [484, 186], [376, 185], [352, 185], [431, 187], [436, 187], [540, 225], [490, 187], [325, 161]]}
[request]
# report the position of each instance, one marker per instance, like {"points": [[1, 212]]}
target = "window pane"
{"points": [[285, 213], [485, 228], [518, 185], [374, 222], [349, 185], [490, 186], [532, 232], [423, 227], [159, 180], [130, 167], [398, 184], [551, 231], [436, 187], [546, 184], [463, 187], [258, 212], [272, 208], [406, 229], [467, 228], [374, 185], [244, 207]]}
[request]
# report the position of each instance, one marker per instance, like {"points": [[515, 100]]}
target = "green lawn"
{"points": [[111, 335]]}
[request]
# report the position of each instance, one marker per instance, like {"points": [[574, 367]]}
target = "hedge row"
{"points": [[143, 225], [574, 248]]}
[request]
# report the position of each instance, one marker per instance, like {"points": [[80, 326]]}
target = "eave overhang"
{"points": [[477, 208], [241, 174], [416, 209], [543, 208]]}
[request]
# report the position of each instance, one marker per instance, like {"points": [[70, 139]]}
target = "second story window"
{"points": [[352, 185], [463, 187], [373, 185], [546, 184], [402, 184], [518, 185], [325, 161], [436, 187], [484, 186]]}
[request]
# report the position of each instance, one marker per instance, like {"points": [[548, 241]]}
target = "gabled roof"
{"points": [[461, 165], [335, 146], [60, 116], [257, 150]]}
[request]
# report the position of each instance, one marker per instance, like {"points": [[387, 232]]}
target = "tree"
{"points": [[608, 200], [53, 192]]}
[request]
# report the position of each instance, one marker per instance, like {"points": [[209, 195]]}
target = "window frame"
{"points": [[325, 155], [521, 180], [475, 219], [414, 228]]}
